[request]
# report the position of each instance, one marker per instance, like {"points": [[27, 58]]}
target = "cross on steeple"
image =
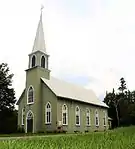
{"points": [[42, 7]]}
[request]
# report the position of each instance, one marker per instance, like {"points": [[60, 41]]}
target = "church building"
{"points": [[48, 104]]}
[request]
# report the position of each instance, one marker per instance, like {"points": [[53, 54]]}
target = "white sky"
{"points": [[90, 42]]}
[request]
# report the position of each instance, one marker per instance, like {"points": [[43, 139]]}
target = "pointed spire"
{"points": [[39, 43]]}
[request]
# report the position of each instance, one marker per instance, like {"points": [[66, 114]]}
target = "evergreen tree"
{"points": [[122, 87], [7, 98]]}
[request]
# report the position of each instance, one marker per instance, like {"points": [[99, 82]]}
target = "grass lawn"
{"points": [[121, 138]]}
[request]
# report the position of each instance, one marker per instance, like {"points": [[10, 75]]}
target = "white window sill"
{"points": [[65, 124], [77, 124], [30, 103], [48, 123]]}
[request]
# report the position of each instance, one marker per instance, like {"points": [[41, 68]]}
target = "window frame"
{"points": [[88, 112], [105, 119], [46, 111], [41, 61], [35, 60], [96, 116], [65, 111], [77, 115], [23, 116], [28, 103]]}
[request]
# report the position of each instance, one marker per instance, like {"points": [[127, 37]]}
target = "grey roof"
{"points": [[18, 101], [72, 91]]}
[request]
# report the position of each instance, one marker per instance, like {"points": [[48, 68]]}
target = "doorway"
{"points": [[30, 122]]}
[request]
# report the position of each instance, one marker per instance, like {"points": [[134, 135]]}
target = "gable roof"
{"points": [[18, 101], [67, 90]]}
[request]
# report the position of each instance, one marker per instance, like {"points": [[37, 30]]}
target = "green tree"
{"points": [[122, 87], [112, 100], [132, 99], [122, 96], [7, 98], [121, 105]]}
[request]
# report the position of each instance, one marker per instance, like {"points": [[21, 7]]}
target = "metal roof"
{"points": [[75, 92]]}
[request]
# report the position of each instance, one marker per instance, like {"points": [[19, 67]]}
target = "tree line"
{"points": [[121, 102]]}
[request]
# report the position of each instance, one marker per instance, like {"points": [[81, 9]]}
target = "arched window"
{"points": [[48, 113], [29, 115], [87, 117], [104, 118], [30, 95], [33, 63], [43, 61], [77, 115], [96, 118], [23, 116], [64, 115]]}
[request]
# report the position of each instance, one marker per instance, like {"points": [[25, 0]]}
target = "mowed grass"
{"points": [[121, 138]]}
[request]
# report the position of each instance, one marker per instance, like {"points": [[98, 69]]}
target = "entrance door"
{"points": [[29, 122], [30, 125]]}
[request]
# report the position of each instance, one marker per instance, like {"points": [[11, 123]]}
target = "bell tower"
{"points": [[37, 68], [38, 58]]}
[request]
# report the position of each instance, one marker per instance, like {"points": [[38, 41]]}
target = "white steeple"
{"points": [[39, 43]]}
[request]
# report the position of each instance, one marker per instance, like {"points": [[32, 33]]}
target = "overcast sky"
{"points": [[90, 42]]}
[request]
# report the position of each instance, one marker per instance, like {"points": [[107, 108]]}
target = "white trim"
{"points": [[66, 111], [26, 120], [104, 118], [96, 116], [46, 62], [88, 116], [46, 113], [28, 103], [22, 116], [41, 58], [31, 60], [78, 115]]}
